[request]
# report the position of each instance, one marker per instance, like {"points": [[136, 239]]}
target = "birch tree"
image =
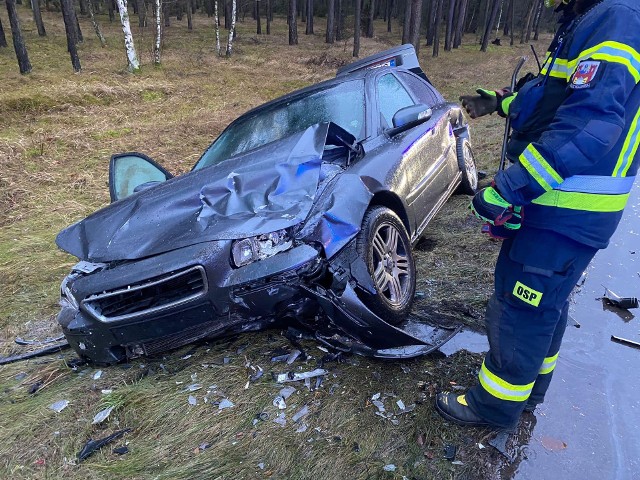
{"points": [[18, 42], [232, 30], [216, 20], [132, 58], [158, 40], [95, 24]]}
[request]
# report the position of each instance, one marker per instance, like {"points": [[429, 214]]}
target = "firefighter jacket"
{"points": [[576, 127]]}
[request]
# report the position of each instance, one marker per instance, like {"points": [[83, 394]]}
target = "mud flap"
{"points": [[370, 335]]}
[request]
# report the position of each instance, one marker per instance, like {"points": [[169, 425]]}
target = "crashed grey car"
{"points": [[303, 211]]}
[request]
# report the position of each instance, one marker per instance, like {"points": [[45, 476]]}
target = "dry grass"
{"points": [[57, 132]]}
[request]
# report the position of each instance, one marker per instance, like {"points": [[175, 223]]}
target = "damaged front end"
{"points": [[212, 253]]}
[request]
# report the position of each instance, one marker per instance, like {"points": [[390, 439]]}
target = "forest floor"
{"points": [[57, 132]]}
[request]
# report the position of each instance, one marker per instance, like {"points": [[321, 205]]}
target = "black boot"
{"points": [[454, 408]]}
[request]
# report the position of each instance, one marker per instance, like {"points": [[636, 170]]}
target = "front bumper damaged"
{"points": [[283, 289]]}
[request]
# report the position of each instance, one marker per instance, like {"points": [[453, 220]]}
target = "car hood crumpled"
{"points": [[267, 189]]}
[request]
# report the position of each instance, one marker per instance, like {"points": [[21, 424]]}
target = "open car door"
{"points": [[132, 172]]}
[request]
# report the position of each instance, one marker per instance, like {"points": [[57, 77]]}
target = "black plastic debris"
{"points": [[34, 387], [36, 353], [615, 300], [94, 445], [121, 450], [22, 341], [450, 452], [624, 341]]}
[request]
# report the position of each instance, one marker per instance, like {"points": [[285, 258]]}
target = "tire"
{"points": [[467, 165], [385, 246]]}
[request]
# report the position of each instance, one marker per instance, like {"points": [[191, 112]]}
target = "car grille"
{"points": [[153, 295]]}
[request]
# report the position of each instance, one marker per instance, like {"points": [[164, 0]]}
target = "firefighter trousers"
{"points": [[525, 320]]}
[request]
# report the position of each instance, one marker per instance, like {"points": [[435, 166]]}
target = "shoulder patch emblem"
{"points": [[584, 74]]}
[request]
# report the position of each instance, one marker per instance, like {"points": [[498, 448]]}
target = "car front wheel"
{"points": [[467, 165], [384, 244]]}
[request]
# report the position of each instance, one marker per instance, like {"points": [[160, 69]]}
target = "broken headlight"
{"points": [[66, 294], [248, 250]]}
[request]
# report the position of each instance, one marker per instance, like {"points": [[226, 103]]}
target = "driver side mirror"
{"points": [[132, 172], [409, 117]]}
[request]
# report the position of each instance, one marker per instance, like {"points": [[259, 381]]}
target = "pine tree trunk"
{"points": [[339, 21], [232, 30], [69, 27], [83, 7], [536, 25], [96, 27], [431, 13], [331, 15], [112, 15], [293, 27], [527, 21], [132, 58], [216, 23], [406, 25], [370, 19], [268, 15], [356, 28], [189, 15], [37, 17], [309, 29], [507, 22], [436, 30], [416, 20], [18, 42], [258, 24], [157, 44], [388, 13], [457, 41], [448, 36], [141, 13], [3, 38], [79, 37], [489, 26]]}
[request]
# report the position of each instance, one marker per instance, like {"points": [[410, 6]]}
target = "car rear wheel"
{"points": [[384, 244], [467, 165]]}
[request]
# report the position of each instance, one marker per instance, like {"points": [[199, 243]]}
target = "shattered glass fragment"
{"points": [[307, 383], [225, 403], [301, 413], [389, 468], [297, 376], [97, 375], [302, 428], [286, 392], [193, 387], [400, 404], [102, 415], [293, 356], [59, 405], [379, 405], [192, 400], [279, 403], [281, 419], [261, 466]]}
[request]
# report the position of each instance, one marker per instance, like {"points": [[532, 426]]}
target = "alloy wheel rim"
{"points": [[391, 264], [470, 167]]}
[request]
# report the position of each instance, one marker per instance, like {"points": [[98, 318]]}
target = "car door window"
{"points": [[420, 89], [392, 96]]}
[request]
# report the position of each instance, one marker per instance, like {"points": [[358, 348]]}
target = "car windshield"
{"points": [[342, 104]]}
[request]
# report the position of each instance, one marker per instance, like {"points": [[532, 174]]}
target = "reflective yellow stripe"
{"points": [[502, 389], [506, 103], [548, 364], [539, 168], [629, 149], [559, 69], [589, 202], [611, 52]]}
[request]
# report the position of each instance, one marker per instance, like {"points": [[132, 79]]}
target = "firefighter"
{"points": [[574, 148]]}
